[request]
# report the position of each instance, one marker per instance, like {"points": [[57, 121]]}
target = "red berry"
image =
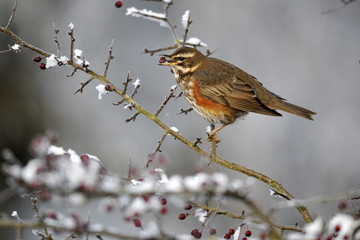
{"points": [[146, 197], [164, 210], [37, 59], [197, 235], [163, 201], [194, 231], [343, 205], [118, 4], [244, 238], [263, 235], [212, 231], [162, 59], [137, 222], [85, 159], [52, 215], [346, 237], [188, 207], [337, 228], [182, 216], [248, 233], [108, 87], [42, 66], [231, 231], [227, 236]]}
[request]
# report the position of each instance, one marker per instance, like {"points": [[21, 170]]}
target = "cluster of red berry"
{"points": [[197, 233], [163, 210], [41, 65]]}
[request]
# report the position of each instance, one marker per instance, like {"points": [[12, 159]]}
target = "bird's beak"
{"points": [[166, 60]]}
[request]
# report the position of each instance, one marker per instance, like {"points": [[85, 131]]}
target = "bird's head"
{"points": [[183, 60]]}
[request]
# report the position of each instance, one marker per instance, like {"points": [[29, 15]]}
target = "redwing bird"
{"points": [[221, 92]]}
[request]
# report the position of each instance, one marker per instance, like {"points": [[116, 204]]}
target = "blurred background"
{"points": [[292, 47]]}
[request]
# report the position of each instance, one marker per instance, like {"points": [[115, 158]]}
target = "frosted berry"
{"points": [[118, 4], [85, 159], [248, 233], [231, 231], [181, 216], [42, 66], [37, 59], [137, 222], [52, 215]]}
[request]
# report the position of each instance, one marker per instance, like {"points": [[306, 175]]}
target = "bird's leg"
{"points": [[212, 134]]}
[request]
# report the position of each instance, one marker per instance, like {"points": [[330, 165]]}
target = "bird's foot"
{"points": [[211, 136]]}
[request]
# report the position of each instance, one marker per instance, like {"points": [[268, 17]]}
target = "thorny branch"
{"points": [[193, 145], [157, 149], [171, 95]]}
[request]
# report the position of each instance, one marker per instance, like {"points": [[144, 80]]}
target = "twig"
{"points": [[135, 91], [172, 27], [12, 14], [219, 211], [152, 52], [128, 80], [126, 83], [186, 30], [186, 111], [345, 3], [83, 85], [171, 95], [37, 213], [157, 149], [111, 57], [72, 40], [198, 140], [56, 39], [132, 118]]}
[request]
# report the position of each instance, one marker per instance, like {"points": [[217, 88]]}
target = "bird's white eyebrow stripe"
{"points": [[186, 54]]}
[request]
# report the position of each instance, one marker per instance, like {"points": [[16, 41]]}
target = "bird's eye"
{"points": [[181, 58]]}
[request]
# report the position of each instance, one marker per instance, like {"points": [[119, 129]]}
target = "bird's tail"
{"points": [[294, 109]]}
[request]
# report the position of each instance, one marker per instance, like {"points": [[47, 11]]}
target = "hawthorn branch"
{"points": [[219, 211], [215, 158]]}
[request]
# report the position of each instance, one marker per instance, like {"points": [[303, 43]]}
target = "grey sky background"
{"points": [[296, 51]]}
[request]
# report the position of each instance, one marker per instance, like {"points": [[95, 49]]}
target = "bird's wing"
{"points": [[231, 90]]}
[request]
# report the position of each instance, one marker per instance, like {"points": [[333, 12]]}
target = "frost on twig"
{"points": [[164, 20]]}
